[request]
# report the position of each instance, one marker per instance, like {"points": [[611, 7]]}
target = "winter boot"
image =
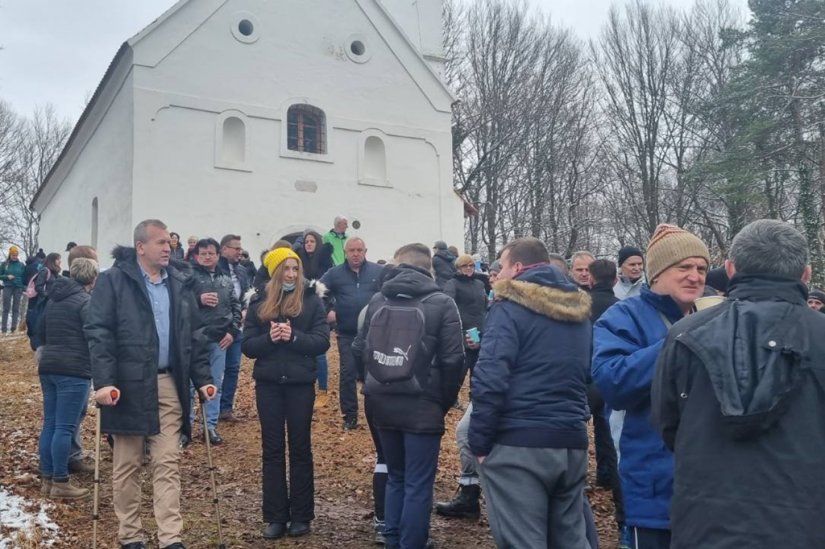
{"points": [[66, 490], [464, 505]]}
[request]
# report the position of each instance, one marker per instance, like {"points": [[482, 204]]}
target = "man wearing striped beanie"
{"points": [[626, 343]]}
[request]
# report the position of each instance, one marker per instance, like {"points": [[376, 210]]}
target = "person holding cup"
{"points": [[220, 312], [467, 289]]}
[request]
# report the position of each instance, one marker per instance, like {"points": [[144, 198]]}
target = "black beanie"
{"points": [[718, 279], [817, 294], [627, 252]]}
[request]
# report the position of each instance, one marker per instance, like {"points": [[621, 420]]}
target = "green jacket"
{"points": [[337, 242], [16, 269]]}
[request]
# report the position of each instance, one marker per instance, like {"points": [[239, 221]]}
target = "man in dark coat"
{"points": [[411, 422], [220, 313], [529, 422], [145, 340], [351, 285], [229, 264], [738, 398], [443, 263]]}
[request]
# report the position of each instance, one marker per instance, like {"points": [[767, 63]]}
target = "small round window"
{"points": [[246, 27], [357, 48]]}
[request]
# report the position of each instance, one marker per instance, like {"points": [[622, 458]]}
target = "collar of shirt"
{"points": [[163, 275]]}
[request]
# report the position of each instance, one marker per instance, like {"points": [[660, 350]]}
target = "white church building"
{"points": [[263, 118]]}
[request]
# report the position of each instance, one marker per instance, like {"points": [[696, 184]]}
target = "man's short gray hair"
{"points": [[84, 270], [769, 246], [338, 219], [141, 234], [558, 261], [582, 253]]}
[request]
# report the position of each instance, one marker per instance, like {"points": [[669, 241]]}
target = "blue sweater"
{"points": [[529, 385], [626, 343]]}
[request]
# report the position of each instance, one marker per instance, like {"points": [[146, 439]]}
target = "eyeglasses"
{"points": [[233, 247]]}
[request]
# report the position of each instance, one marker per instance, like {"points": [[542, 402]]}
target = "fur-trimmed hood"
{"points": [[547, 292]]}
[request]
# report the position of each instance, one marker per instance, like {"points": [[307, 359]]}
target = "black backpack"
{"points": [[395, 346]]}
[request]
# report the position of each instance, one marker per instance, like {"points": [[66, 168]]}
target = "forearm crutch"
{"points": [[211, 391], [95, 516]]}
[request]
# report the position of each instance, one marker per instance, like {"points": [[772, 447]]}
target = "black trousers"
{"points": [[286, 409], [347, 378], [379, 475]]}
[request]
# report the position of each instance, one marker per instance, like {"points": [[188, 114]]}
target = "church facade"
{"points": [[263, 118]]}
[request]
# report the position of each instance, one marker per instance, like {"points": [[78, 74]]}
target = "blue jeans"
{"points": [[76, 451], [412, 460], [230, 376], [323, 372], [63, 400], [217, 363]]}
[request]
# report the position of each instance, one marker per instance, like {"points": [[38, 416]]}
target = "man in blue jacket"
{"points": [[529, 422], [626, 342]]}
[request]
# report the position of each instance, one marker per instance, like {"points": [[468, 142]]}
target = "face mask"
{"points": [[288, 287]]}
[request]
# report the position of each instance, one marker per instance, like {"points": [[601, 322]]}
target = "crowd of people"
{"points": [[705, 386]]}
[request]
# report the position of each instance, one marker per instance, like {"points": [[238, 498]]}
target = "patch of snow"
{"points": [[23, 520]]}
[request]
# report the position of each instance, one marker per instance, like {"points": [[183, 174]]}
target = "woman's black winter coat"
{"points": [[64, 350], [290, 362], [471, 299]]}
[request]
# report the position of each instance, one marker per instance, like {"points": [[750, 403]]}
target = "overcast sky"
{"points": [[56, 51]]}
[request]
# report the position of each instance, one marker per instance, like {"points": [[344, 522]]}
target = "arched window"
{"points": [[375, 159], [306, 129], [233, 144], [95, 216]]}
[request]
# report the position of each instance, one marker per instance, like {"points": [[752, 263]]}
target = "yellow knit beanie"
{"points": [[277, 256], [13, 250], [668, 246]]}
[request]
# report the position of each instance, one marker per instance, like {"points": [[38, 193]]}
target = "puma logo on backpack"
{"points": [[394, 345]]}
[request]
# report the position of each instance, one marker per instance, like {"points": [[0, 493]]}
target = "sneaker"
{"points": [[625, 541], [67, 490], [378, 528], [351, 424], [134, 545]]}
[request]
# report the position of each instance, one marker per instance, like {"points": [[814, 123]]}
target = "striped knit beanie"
{"points": [[670, 245]]}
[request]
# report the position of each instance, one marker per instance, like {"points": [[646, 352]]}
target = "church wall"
{"points": [[103, 171]]}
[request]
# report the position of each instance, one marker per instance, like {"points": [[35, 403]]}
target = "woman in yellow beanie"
{"points": [[285, 330]]}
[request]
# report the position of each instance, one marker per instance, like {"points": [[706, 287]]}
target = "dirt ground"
{"points": [[343, 475]]}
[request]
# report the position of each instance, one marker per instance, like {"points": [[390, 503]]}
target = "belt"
{"points": [[164, 371]]}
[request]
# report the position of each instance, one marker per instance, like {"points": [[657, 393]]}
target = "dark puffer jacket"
{"points": [[443, 267], [739, 396], [123, 344], [441, 374], [530, 382], [225, 317], [64, 350], [292, 362], [470, 297]]}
